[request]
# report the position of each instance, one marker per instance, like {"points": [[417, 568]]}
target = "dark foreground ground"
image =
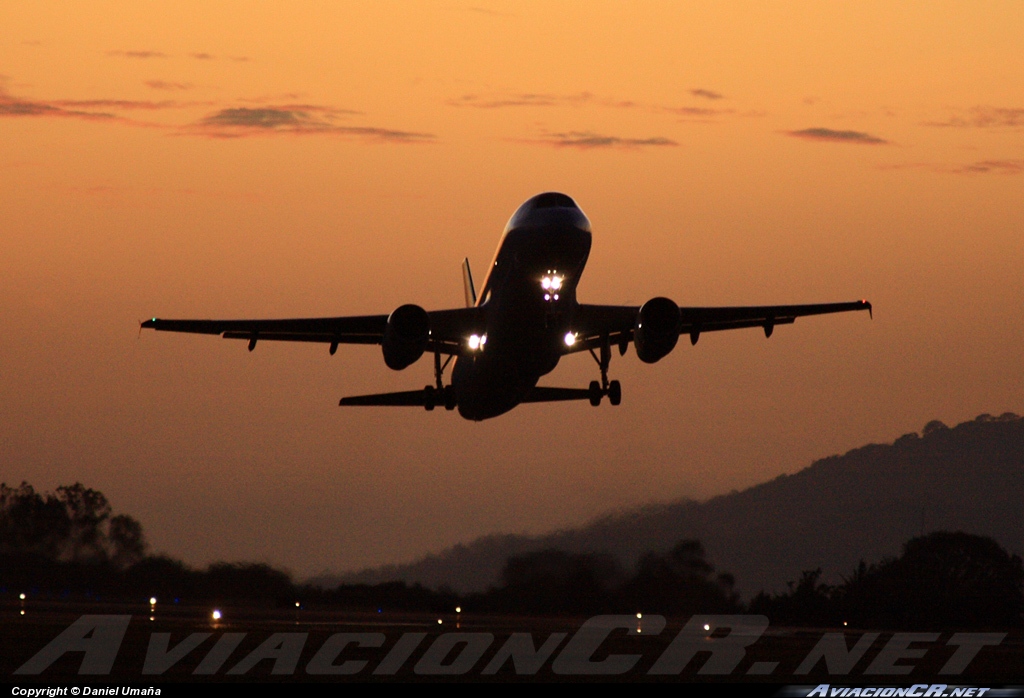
{"points": [[82, 645]]}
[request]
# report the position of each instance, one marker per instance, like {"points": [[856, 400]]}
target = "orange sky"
{"points": [[205, 159]]}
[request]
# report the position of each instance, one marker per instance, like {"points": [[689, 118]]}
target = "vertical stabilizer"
{"points": [[467, 284]]}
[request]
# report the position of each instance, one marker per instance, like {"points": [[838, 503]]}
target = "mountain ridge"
{"points": [[863, 504]]}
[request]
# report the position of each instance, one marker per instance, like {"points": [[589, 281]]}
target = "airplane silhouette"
{"points": [[525, 319]]}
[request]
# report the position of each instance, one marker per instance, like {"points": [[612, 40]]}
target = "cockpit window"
{"points": [[553, 200]]}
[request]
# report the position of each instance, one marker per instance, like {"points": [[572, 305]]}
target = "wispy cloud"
{"points": [[11, 106], [691, 113], [994, 166], [88, 109], [1003, 167], [586, 99], [706, 94], [241, 122], [586, 140], [169, 86], [834, 136], [984, 117], [137, 54], [227, 122], [523, 99]]}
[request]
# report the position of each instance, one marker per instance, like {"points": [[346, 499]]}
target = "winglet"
{"points": [[868, 305], [467, 284]]}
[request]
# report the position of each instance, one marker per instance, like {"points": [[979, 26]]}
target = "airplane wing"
{"points": [[594, 322], [448, 329]]}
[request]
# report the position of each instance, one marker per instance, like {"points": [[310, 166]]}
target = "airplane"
{"points": [[520, 326]]}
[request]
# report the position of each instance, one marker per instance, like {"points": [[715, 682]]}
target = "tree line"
{"points": [[68, 544]]}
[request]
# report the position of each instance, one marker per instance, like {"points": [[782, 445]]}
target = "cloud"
{"points": [[996, 166], [126, 104], [11, 106], [170, 86], [587, 140], [106, 110], [202, 56], [229, 122], [137, 54], [833, 136], [1004, 167], [582, 99], [526, 99], [984, 117], [240, 122], [695, 112]]}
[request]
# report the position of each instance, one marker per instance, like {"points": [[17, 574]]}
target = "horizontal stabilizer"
{"points": [[428, 398], [543, 394], [408, 398]]}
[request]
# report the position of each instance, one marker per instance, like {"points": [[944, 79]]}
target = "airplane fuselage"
{"points": [[528, 299]]}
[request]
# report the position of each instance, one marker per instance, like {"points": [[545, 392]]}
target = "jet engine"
{"points": [[405, 336], [657, 329]]}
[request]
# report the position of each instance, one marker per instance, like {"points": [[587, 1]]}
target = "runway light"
{"points": [[216, 614], [570, 338], [152, 601], [439, 621], [707, 627], [21, 596], [458, 609], [639, 616], [296, 604]]}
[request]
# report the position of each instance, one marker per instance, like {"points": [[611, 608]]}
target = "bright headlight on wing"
{"points": [[477, 342], [570, 338]]}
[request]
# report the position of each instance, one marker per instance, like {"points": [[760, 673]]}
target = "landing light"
{"points": [[551, 282], [477, 341], [570, 338]]}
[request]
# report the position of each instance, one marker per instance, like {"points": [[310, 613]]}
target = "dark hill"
{"points": [[862, 505]]}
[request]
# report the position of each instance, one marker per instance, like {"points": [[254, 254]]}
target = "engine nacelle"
{"points": [[405, 336], [657, 329]]}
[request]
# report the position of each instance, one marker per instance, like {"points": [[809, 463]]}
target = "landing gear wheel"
{"points": [[449, 397], [429, 398], [615, 392], [595, 393]]}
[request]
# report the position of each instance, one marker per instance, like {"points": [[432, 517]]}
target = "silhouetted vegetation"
{"points": [[942, 580], [69, 545], [73, 525]]}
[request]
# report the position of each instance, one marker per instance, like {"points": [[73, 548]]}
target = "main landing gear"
{"points": [[613, 389], [442, 394]]}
